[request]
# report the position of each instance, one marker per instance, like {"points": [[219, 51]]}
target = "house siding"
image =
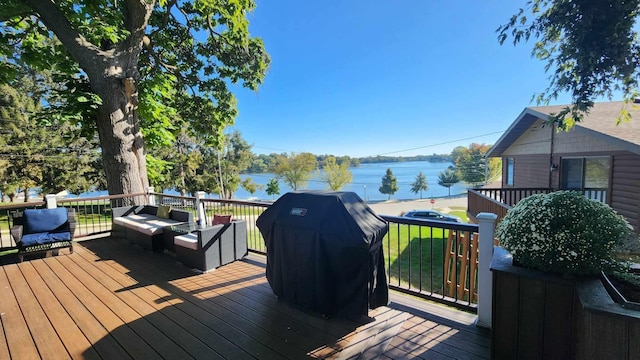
{"points": [[536, 140], [575, 141], [625, 189], [530, 171]]}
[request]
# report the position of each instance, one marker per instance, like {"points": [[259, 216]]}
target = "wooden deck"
{"points": [[111, 300]]}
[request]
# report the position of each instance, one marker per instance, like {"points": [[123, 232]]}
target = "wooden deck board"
{"points": [[121, 302], [101, 340], [77, 345], [162, 310], [21, 345], [146, 303], [120, 305], [225, 326], [44, 335], [134, 343]]}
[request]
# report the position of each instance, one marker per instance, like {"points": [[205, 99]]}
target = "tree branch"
{"points": [[83, 51], [136, 18]]}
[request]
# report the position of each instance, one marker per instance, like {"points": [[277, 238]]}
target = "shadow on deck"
{"points": [[113, 300]]}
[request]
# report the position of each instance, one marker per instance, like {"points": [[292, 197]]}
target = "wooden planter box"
{"points": [[537, 315], [606, 329]]}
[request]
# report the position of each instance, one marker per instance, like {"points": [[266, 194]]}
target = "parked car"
{"points": [[431, 215]]}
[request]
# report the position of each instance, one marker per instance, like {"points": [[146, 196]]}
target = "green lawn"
{"points": [[411, 256]]}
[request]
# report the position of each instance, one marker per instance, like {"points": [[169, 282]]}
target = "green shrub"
{"points": [[563, 232]]}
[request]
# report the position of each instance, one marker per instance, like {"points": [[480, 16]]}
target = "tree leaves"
{"points": [[183, 61], [473, 167], [389, 184], [590, 47], [336, 175], [295, 169], [420, 184], [448, 178]]}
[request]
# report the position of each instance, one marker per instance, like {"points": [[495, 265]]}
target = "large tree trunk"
{"points": [[112, 72], [123, 152]]}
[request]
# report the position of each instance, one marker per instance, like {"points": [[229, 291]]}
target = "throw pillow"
{"points": [[221, 219], [163, 211]]}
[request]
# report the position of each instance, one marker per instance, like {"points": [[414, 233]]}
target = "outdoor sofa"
{"points": [[42, 230], [144, 225]]}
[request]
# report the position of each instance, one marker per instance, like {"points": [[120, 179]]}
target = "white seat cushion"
{"points": [[189, 241], [145, 223]]}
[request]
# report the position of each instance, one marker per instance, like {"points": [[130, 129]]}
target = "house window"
{"points": [[509, 170], [588, 175]]}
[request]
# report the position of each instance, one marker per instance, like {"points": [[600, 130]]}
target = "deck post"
{"points": [[151, 199], [200, 207], [486, 230], [51, 201]]}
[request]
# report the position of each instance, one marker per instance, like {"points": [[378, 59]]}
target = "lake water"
{"points": [[367, 179]]}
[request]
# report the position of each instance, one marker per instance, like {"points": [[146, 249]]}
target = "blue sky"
{"points": [[374, 77]]}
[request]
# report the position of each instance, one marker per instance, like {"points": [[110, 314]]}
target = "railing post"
{"points": [[151, 199], [486, 227], [51, 201], [200, 207]]}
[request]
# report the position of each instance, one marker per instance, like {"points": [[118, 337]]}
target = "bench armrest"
{"points": [[71, 219], [16, 233], [17, 229]]}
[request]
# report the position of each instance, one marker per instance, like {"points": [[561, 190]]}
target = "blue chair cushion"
{"points": [[45, 220], [45, 238]]}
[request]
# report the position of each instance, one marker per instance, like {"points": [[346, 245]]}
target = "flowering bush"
{"points": [[563, 232]]}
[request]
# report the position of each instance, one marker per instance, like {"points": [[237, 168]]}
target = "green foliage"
{"points": [[295, 169], [420, 184], [182, 58], [448, 178], [472, 165], [336, 175], [389, 184], [249, 185], [50, 155], [590, 47], [563, 232], [273, 187], [258, 165], [457, 152], [190, 165], [235, 159]]}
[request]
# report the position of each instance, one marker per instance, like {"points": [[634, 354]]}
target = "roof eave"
{"points": [[526, 118]]}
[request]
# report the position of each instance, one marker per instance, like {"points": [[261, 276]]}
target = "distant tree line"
{"points": [[264, 163], [436, 158]]}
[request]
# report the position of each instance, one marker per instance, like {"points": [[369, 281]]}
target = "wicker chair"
{"points": [[41, 230]]}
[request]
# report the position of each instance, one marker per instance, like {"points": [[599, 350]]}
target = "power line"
{"points": [[443, 143], [398, 151]]}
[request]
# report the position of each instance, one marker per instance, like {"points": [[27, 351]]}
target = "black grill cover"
{"points": [[324, 253]]}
